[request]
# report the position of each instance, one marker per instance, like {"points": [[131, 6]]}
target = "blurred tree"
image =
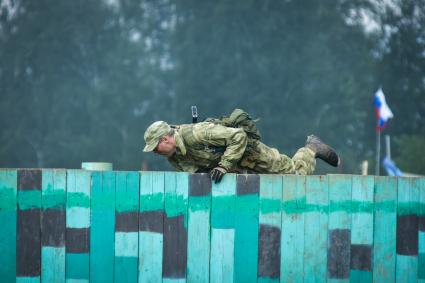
{"points": [[295, 64], [81, 81], [408, 158], [76, 79]]}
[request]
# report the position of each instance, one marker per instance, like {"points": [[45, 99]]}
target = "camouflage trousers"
{"points": [[266, 160]]}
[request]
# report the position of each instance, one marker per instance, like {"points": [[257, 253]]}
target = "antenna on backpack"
{"points": [[194, 114]]}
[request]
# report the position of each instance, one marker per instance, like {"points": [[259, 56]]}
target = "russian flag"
{"points": [[383, 112]]}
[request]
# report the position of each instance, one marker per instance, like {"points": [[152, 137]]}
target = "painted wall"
{"points": [[115, 226]]}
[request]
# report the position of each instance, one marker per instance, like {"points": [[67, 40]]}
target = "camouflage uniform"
{"points": [[203, 146]]}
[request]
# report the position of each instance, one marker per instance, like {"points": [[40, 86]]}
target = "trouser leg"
{"points": [[264, 159], [304, 161]]}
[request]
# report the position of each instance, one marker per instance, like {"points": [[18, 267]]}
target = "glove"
{"points": [[217, 174]]}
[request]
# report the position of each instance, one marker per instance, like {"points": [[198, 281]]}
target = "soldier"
{"points": [[213, 148]]}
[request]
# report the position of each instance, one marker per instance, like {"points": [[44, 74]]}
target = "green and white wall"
{"points": [[62, 225]]}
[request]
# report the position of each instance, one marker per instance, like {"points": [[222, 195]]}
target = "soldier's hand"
{"points": [[217, 174]]}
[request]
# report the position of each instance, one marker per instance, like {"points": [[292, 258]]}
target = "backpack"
{"points": [[239, 119]]}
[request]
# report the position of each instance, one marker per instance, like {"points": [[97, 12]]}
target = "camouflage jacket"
{"points": [[203, 146]]}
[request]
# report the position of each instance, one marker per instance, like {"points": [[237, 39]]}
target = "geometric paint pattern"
{"points": [[62, 225]]}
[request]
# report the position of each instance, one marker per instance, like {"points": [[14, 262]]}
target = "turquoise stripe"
{"points": [[362, 228], [8, 217], [175, 204], [269, 202], [421, 242], [198, 247], [246, 238], [78, 217], [53, 199], [127, 192], [267, 280], [222, 255], [407, 268], [421, 265], [151, 191], [102, 230], [53, 264], [28, 279], [316, 231], [152, 202], [169, 280], [360, 276], [77, 199], [150, 253], [292, 238], [200, 203], [29, 199], [125, 269], [7, 195], [77, 266], [126, 244], [384, 237]]}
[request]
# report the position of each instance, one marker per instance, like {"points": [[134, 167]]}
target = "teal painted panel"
{"points": [[198, 258], [406, 268], [53, 264], [421, 236], [102, 231], [421, 242], [384, 238], [222, 255], [271, 220], [29, 199], [362, 221], [175, 238], [151, 243], [270, 200], [316, 230], [78, 217], [78, 196], [339, 201], [421, 264], [246, 232], [222, 231], [127, 243], [8, 217], [53, 197], [408, 196], [53, 189], [127, 192], [292, 244], [150, 256], [181, 195], [199, 238], [360, 276], [125, 269], [176, 191], [151, 191], [77, 266], [339, 223], [78, 199], [223, 202]]}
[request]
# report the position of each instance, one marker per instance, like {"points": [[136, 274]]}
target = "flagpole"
{"points": [[378, 149], [387, 146]]}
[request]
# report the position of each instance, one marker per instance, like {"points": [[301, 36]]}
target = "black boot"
{"points": [[322, 150]]}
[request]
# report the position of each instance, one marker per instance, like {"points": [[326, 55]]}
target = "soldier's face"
{"points": [[166, 146]]}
